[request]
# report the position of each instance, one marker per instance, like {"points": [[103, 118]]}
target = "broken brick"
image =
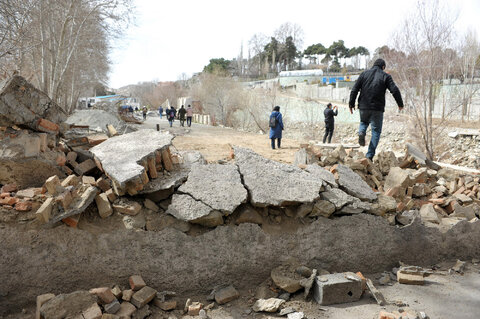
{"points": [[47, 126], [9, 188], [8, 201], [136, 282], [85, 167], [71, 157], [72, 221], [111, 195], [44, 213], [23, 206], [65, 199], [88, 180], [143, 296], [103, 205], [105, 294], [40, 301], [103, 184]]}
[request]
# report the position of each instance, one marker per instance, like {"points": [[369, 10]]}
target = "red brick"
{"points": [[459, 191], [8, 201], [72, 221], [400, 207], [23, 206], [437, 201], [8, 188], [136, 282], [97, 139], [450, 208], [386, 315], [3, 195], [392, 192], [47, 126]]}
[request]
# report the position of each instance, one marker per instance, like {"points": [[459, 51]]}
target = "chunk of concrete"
{"points": [[94, 312], [322, 173], [274, 183], [353, 184], [122, 156], [248, 214], [337, 288], [79, 205], [268, 305], [429, 214], [338, 197], [286, 278], [185, 208], [40, 301], [143, 296], [397, 177], [128, 207], [103, 205], [409, 278], [217, 186], [126, 310], [24, 105], [463, 211], [322, 208], [67, 305], [226, 294]]}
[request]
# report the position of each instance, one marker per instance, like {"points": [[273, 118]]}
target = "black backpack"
{"points": [[273, 121]]}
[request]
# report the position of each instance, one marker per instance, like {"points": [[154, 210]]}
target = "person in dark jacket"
{"points": [[181, 115], [276, 127], [329, 114], [372, 85], [160, 111], [171, 115]]}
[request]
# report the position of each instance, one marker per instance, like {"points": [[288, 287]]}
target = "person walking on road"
{"points": [[181, 115], [329, 114], [372, 85], [276, 127], [189, 115], [171, 115], [160, 111], [144, 112]]}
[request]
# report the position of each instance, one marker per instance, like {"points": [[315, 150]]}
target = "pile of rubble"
{"points": [[463, 148], [407, 187]]}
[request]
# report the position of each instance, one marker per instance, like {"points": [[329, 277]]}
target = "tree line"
{"points": [[61, 46]]}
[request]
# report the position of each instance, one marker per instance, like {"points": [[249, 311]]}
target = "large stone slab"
{"points": [[184, 207], [217, 186], [322, 173], [274, 183], [121, 156], [353, 184], [24, 105], [338, 197]]}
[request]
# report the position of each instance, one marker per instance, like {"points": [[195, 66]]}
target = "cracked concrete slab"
{"points": [[274, 183], [122, 157], [218, 186], [322, 173], [185, 208], [353, 184]]}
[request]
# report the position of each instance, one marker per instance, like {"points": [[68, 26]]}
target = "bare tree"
{"points": [[423, 38], [469, 53], [289, 29]]}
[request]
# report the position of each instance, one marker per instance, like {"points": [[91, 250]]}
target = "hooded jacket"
{"points": [[372, 85]]}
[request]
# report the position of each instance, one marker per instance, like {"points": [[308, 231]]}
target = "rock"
{"points": [[24, 105], [103, 205], [300, 157], [296, 315], [420, 190], [117, 292], [337, 288], [143, 296], [248, 214], [127, 294], [463, 198], [338, 197], [268, 305], [226, 294], [308, 283], [194, 308], [397, 177], [429, 214], [407, 217], [217, 186], [322, 208], [385, 160], [94, 312], [44, 213], [149, 204], [40, 301], [304, 271], [286, 278], [134, 222], [459, 266], [104, 294], [264, 292], [128, 207], [385, 204], [463, 211], [142, 313], [126, 310], [356, 207], [121, 156], [112, 307], [165, 305], [185, 208], [67, 305], [273, 183], [214, 219], [409, 278], [353, 184], [303, 210], [286, 311], [451, 221], [322, 173], [136, 282], [202, 314], [376, 293]]}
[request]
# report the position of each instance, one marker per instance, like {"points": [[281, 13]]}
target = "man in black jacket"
{"points": [[329, 122], [372, 85]]}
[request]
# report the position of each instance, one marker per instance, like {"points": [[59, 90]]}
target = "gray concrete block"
{"points": [[337, 288]]}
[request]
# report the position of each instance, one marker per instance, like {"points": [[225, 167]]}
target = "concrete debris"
{"points": [[128, 168], [352, 183], [225, 294], [274, 183], [207, 184], [337, 288], [376, 293], [67, 305], [97, 120], [459, 266], [286, 278], [23, 105], [268, 305]]}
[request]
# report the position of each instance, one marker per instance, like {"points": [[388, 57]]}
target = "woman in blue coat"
{"points": [[276, 126]]}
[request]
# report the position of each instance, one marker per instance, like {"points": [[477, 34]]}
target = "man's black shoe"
{"points": [[361, 140], [370, 158]]}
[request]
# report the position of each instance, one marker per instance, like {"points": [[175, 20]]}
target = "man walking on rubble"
{"points": [[329, 114], [372, 85]]}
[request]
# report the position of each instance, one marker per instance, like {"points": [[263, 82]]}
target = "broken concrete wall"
{"points": [[24, 105], [63, 260]]}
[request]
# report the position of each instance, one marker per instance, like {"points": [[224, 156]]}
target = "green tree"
{"points": [[217, 66], [313, 50]]}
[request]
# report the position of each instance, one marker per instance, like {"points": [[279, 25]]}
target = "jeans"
{"points": [[171, 122], [375, 119], [160, 115], [189, 121], [328, 133], [279, 141], [182, 121]]}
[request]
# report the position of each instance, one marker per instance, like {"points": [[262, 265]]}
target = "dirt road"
{"points": [[215, 142]]}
